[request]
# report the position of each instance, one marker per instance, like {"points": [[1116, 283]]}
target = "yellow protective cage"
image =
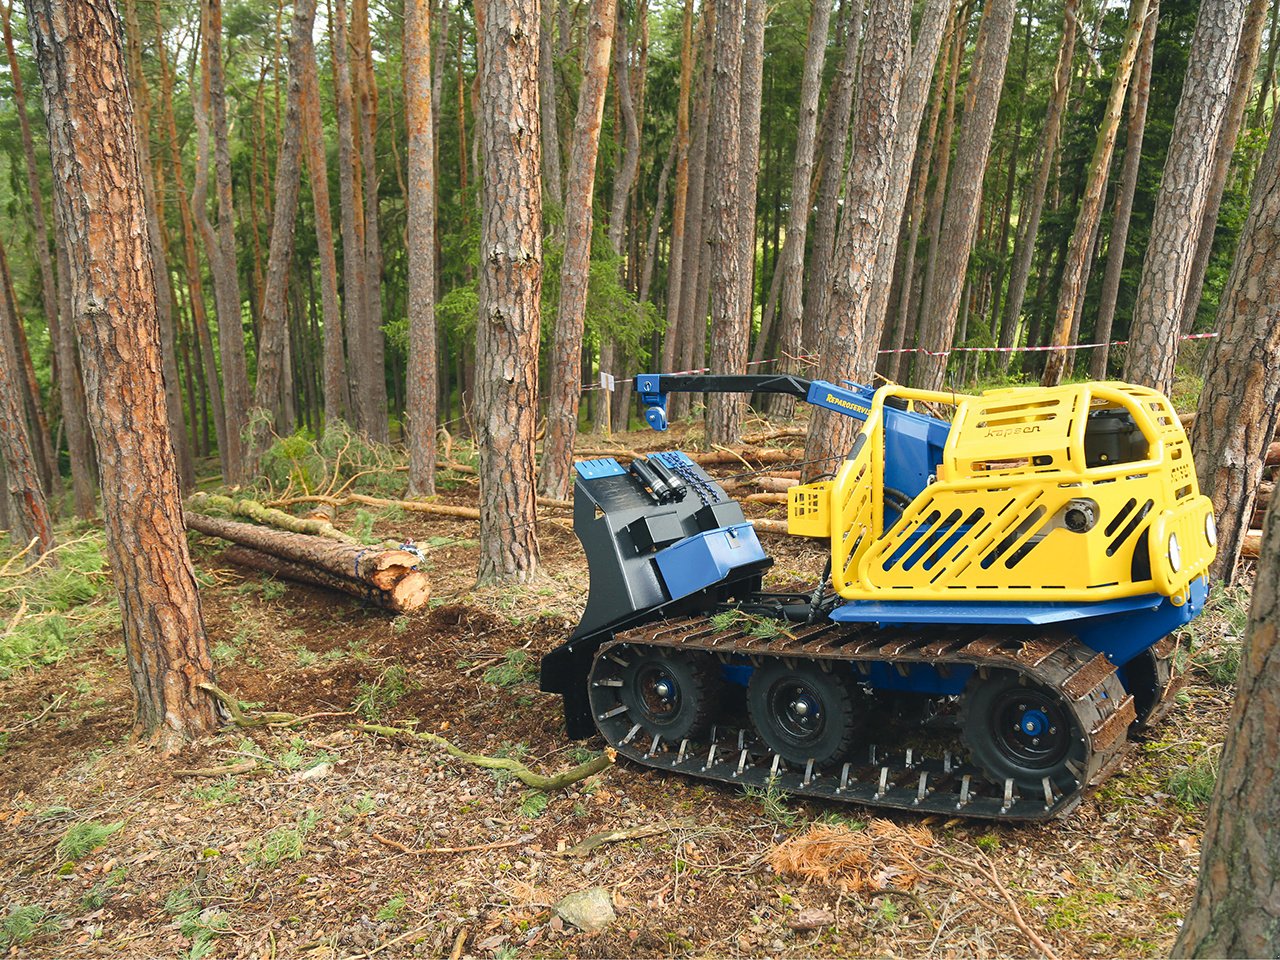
{"points": [[1017, 510]]}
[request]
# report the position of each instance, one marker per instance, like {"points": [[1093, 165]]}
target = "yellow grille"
{"points": [[807, 511]]}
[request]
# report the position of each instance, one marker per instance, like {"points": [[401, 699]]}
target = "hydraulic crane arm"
{"points": [[852, 401]]}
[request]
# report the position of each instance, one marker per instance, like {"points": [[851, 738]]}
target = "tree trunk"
{"points": [[1246, 67], [848, 340], [835, 135], [1236, 418], [375, 382], [964, 195], [730, 324], [1074, 277], [565, 366], [359, 347], [1140, 94], [510, 288], [70, 390], [914, 99], [655, 222], [1029, 218], [552, 180], [221, 247], [336, 401], [790, 267], [749, 166], [420, 413], [1180, 204], [24, 496], [679, 209], [1235, 911], [97, 186], [273, 337]]}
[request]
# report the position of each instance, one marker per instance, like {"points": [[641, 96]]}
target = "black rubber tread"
{"points": [[698, 679], [837, 697], [1100, 707]]}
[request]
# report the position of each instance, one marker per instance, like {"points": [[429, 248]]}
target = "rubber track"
{"points": [[1086, 680]]}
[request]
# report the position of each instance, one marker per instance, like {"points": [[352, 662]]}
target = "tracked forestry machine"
{"points": [[997, 614]]}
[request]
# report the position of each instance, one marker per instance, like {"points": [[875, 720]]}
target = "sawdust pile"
{"points": [[862, 861]]}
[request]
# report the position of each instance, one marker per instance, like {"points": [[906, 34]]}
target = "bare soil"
{"points": [[206, 866]]}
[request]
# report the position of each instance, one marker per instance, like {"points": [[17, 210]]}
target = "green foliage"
{"points": [[773, 804], [53, 609], [533, 804], [101, 892], [23, 923], [284, 843], [202, 926], [374, 700], [392, 909], [217, 793], [83, 838], [516, 668], [1192, 784]]}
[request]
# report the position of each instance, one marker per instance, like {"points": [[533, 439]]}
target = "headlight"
{"points": [[1175, 553], [1211, 529]]}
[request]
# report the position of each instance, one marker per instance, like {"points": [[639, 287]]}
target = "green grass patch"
{"points": [[516, 668], [1192, 784], [374, 700], [22, 923], [773, 804], [284, 843], [391, 910], [82, 838]]}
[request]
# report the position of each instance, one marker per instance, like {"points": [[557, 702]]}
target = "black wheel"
{"points": [[803, 713], [1147, 676], [1021, 731], [671, 695]]}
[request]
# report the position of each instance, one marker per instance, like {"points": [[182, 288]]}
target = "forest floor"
{"points": [[326, 848]]}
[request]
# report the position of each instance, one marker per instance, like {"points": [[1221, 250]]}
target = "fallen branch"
{"points": [[393, 572], [777, 484], [778, 527], [522, 773], [597, 840], [226, 770], [428, 851], [766, 435], [268, 516], [771, 498]]}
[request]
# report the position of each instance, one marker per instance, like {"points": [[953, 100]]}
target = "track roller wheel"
{"points": [[803, 712], [671, 695], [1148, 677], [1021, 731]]}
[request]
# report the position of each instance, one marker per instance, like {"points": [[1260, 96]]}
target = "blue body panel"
{"points": [[595, 469], [894, 612], [707, 558]]}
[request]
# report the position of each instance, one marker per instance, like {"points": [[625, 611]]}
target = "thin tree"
{"points": [[565, 367], [1073, 272], [1234, 913], [552, 179], [334, 365], [26, 507], [97, 186], [420, 409], [964, 196], [679, 206], [70, 390], [730, 323], [1238, 408], [1024, 247], [1180, 203], [510, 288], [1241, 91], [273, 332], [1139, 96], [848, 347]]}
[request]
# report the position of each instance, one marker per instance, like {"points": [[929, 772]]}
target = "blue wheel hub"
{"points": [[1033, 723]]}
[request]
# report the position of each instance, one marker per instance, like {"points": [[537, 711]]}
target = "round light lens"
{"points": [[1211, 529], [1175, 553]]}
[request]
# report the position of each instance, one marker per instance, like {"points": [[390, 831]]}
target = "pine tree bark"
{"points": [[27, 510], [730, 324], [221, 247], [552, 178], [1180, 204], [749, 164], [354, 289], [915, 98], [273, 335], [565, 367], [1074, 275], [1246, 67], [420, 412], [1025, 247], [1235, 912], [510, 288], [680, 203], [97, 186], [790, 266], [1139, 96], [336, 400], [70, 390], [847, 348], [831, 153], [1240, 400], [964, 197]]}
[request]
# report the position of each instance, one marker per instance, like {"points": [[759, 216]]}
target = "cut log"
{"points": [[777, 484], [1273, 454], [778, 527], [1252, 546], [770, 498], [766, 435], [269, 516], [392, 572], [299, 573]]}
